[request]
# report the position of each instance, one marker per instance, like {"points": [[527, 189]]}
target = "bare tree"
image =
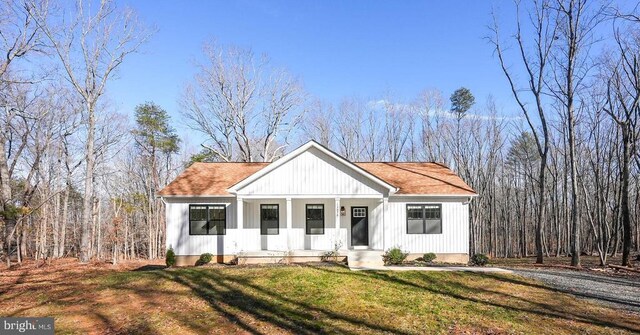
{"points": [[20, 37], [545, 28], [623, 106], [429, 107], [242, 105], [398, 126], [284, 97], [373, 143], [319, 125], [101, 38], [349, 137], [576, 22]]}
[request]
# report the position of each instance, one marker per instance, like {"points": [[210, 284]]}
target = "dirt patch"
{"points": [[31, 288]]}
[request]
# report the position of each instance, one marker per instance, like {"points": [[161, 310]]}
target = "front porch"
{"points": [[355, 258], [290, 256], [306, 226]]}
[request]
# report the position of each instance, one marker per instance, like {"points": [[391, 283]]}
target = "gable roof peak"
{"points": [[303, 148]]}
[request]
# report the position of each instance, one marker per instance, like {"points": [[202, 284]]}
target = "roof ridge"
{"points": [[419, 178], [387, 162], [232, 163], [422, 173]]}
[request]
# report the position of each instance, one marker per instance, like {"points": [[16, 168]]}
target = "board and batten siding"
{"points": [[374, 207], [455, 226], [312, 173], [250, 238], [453, 239], [177, 213]]}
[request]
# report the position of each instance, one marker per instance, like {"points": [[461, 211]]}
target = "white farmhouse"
{"points": [[312, 201]]}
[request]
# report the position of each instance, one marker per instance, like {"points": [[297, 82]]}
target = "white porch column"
{"points": [[289, 223], [240, 223], [337, 219]]}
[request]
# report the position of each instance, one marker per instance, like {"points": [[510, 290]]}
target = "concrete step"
{"points": [[359, 258]]}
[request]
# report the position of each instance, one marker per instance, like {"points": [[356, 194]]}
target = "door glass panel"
{"points": [[359, 212]]}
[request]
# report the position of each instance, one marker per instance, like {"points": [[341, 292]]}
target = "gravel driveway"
{"points": [[614, 291]]}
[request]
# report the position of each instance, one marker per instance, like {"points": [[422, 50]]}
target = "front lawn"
{"points": [[297, 299]]}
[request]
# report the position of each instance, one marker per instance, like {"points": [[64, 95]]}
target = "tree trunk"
{"points": [[63, 223], [625, 212], [5, 198], [541, 176], [87, 200]]}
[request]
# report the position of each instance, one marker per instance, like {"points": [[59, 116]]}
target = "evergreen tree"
{"points": [[156, 139], [461, 101]]}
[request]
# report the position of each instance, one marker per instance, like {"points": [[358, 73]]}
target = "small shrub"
{"points": [[429, 257], [204, 259], [333, 255], [479, 259], [287, 258], [329, 256], [170, 257], [394, 256]]}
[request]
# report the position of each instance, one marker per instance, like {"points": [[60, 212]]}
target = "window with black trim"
{"points": [[207, 219], [269, 219], [315, 219], [424, 219]]}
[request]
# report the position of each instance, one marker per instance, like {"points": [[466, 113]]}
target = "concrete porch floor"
{"points": [[283, 253], [430, 268], [357, 257], [290, 256]]}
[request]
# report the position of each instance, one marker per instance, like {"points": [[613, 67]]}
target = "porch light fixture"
{"points": [[343, 212]]}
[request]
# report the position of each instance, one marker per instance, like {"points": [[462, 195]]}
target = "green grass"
{"points": [[306, 299]]}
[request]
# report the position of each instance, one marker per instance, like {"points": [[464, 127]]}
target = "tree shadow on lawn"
{"points": [[84, 305], [28, 283], [140, 327], [150, 267], [21, 278], [454, 289], [231, 297], [242, 302]]}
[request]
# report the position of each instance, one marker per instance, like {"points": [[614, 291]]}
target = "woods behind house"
{"points": [[558, 171]]}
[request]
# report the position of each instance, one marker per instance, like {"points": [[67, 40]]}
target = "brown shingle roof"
{"points": [[210, 178], [419, 178], [410, 178]]}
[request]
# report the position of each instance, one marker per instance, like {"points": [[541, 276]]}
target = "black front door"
{"points": [[359, 226]]}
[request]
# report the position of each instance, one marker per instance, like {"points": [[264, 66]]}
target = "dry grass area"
{"points": [[144, 298]]}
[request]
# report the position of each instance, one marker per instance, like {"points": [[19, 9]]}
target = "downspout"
{"points": [[166, 219], [385, 206]]}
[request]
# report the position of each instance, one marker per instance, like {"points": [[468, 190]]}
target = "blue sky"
{"points": [[338, 48]]}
